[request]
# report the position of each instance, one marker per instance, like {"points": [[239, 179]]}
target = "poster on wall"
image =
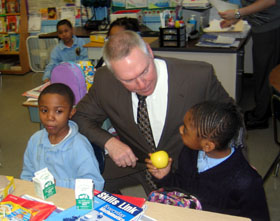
{"points": [[136, 4], [158, 3], [68, 13], [174, 3], [34, 21], [118, 3]]}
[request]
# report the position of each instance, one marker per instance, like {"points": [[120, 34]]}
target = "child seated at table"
{"points": [[212, 166], [70, 48], [59, 146]]}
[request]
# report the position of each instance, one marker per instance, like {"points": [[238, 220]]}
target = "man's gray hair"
{"points": [[120, 45]]}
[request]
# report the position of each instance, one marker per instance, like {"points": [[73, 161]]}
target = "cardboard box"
{"points": [[44, 183], [7, 186]]}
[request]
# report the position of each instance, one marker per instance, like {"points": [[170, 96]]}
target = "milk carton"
{"points": [[84, 193], [44, 183]]}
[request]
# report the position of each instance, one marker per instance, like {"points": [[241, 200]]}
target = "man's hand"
{"points": [[158, 173], [120, 153], [228, 23]]}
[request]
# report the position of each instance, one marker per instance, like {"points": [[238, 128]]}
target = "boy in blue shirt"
{"points": [[59, 146], [70, 48]]}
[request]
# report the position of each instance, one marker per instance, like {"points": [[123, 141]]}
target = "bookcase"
{"points": [[18, 57]]}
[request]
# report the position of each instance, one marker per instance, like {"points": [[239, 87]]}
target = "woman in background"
{"points": [[264, 18], [120, 24]]}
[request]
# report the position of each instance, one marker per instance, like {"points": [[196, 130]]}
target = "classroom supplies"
{"points": [[84, 193], [44, 183], [7, 186], [30, 209]]}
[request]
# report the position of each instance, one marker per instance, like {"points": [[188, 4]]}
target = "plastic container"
{"points": [[193, 21]]}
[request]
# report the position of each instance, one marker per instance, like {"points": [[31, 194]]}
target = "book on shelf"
{"points": [[7, 43], [2, 7], [12, 6], [12, 23], [2, 42], [14, 42], [3, 24]]}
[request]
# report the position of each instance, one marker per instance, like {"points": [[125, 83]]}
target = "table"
{"points": [[65, 198], [32, 107], [227, 62]]}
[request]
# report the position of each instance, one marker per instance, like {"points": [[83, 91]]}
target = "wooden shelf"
{"points": [[9, 52], [10, 32], [12, 71], [8, 14], [22, 55]]}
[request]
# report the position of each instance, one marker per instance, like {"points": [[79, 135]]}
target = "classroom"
{"points": [[189, 30]]}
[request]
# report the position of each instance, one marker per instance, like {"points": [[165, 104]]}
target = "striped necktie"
{"points": [[144, 122], [144, 126]]}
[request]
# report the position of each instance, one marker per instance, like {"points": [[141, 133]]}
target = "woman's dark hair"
{"points": [[130, 24], [61, 89], [217, 121], [64, 22]]}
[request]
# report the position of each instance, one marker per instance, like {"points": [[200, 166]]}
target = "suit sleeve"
{"points": [[90, 114]]}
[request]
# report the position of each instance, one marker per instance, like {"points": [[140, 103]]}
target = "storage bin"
{"points": [[173, 37]]}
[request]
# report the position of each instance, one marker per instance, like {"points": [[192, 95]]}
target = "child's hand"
{"points": [[158, 173]]}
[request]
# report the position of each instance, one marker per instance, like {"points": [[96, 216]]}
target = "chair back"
{"points": [[72, 75]]}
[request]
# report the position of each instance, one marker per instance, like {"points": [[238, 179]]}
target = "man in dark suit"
{"points": [[172, 86]]}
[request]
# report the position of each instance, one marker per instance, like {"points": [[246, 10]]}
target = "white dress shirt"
{"points": [[156, 102]]}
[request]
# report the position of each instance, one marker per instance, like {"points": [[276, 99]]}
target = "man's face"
{"points": [[136, 72]]}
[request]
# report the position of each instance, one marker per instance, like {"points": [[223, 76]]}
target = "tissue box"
{"points": [[7, 186]]}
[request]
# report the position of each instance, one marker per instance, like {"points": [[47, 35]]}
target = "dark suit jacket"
{"points": [[189, 82]]}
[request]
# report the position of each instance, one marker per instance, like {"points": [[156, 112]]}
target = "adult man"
{"points": [[172, 86]]}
